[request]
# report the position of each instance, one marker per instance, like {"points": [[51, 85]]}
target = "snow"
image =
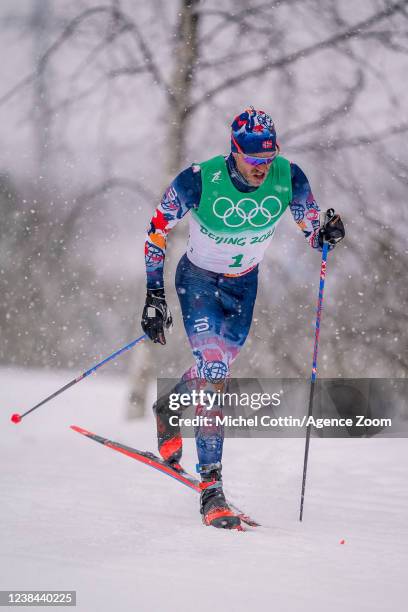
{"points": [[75, 515]]}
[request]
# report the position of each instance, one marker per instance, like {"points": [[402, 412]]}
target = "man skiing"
{"points": [[235, 204]]}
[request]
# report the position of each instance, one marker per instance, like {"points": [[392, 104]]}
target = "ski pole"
{"points": [[16, 418], [314, 370]]}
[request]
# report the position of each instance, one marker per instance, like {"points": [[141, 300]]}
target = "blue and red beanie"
{"points": [[254, 132]]}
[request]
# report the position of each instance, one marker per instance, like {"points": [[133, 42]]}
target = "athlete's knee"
{"points": [[212, 364], [215, 371]]}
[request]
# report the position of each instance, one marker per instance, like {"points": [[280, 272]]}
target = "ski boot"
{"points": [[169, 441], [213, 505]]}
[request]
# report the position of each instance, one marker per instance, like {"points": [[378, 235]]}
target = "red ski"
{"points": [[159, 464]]}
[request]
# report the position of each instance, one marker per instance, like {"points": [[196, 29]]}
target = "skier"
{"points": [[235, 204]]}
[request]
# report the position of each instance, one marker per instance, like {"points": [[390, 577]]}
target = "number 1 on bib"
{"points": [[237, 261]]}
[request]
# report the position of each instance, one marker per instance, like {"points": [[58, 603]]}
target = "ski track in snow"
{"points": [[75, 515]]}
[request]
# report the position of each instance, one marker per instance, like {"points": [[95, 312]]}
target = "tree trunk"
{"points": [[186, 54], [40, 19]]}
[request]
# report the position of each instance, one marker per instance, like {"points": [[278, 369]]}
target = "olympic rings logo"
{"points": [[247, 210]]}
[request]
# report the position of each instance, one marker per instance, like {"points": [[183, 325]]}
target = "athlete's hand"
{"points": [[332, 229], [156, 316]]}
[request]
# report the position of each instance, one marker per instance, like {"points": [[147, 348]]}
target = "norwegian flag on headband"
{"points": [[253, 131]]}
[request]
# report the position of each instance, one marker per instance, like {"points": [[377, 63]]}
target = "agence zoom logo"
{"points": [[247, 210]]}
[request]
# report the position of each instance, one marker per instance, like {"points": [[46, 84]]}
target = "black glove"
{"points": [[332, 229], [156, 315]]}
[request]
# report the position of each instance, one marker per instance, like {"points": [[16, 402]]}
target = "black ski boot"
{"points": [[169, 441], [213, 505]]}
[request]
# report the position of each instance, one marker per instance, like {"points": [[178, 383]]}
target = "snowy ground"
{"points": [[75, 515]]}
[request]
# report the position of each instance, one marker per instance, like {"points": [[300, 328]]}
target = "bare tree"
{"points": [[216, 51]]}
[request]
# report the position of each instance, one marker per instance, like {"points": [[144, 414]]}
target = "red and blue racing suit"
{"points": [[217, 308]]}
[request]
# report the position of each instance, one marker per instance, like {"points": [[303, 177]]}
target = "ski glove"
{"points": [[156, 316], [332, 229]]}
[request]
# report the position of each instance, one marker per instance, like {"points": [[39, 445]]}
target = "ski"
{"points": [[156, 462]]}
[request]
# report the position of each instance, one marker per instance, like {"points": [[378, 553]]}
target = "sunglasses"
{"points": [[256, 161]]}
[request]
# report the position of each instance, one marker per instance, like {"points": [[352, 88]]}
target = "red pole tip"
{"points": [[16, 418]]}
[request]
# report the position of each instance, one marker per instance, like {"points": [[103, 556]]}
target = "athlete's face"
{"points": [[255, 175]]}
